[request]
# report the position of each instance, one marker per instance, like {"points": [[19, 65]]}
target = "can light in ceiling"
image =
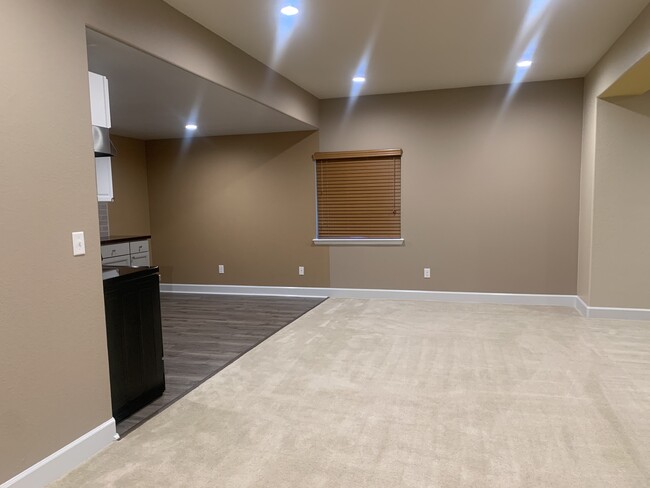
{"points": [[191, 127], [289, 10], [525, 63], [359, 79]]}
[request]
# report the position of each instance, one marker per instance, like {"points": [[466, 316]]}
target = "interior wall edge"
{"points": [[628, 49]]}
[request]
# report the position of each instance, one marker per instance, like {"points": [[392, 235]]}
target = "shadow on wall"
{"points": [[267, 146], [246, 202]]}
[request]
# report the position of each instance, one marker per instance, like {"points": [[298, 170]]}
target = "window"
{"points": [[359, 197]]}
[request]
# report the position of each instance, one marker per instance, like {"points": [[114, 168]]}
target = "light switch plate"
{"points": [[78, 244]]}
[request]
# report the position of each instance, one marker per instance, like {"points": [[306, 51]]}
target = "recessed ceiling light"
{"points": [[289, 10], [524, 64], [191, 126], [359, 79]]}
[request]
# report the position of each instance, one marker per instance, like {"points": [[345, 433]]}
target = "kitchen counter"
{"points": [[121, 273], [117, 239]]}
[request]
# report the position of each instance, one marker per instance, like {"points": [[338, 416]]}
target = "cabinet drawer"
{"points": [[140, 259], [139, 246], [112, 250], [117, 261]]}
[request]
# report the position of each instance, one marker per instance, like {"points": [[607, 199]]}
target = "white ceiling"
{"points": [[152, 99], [415, 45]]}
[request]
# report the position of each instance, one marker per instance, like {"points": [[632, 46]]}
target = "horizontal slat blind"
{"points": [[359, 194]]}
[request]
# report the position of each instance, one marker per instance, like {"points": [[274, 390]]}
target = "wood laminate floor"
{"points": [[204, 333]]}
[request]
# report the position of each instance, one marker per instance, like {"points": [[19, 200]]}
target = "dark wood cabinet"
{"points": [[134, 333]]}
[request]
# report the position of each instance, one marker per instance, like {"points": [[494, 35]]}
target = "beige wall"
{"points": [[53, 360], [489, 187], [631, 47], [621, 254], [128, 214], [246, 202]]}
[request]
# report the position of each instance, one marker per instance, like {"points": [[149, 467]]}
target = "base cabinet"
{"points": [[132, 253], [134, 334]]}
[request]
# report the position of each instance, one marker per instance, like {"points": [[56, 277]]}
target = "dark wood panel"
{"points": [[204, 333], [135, 349]]}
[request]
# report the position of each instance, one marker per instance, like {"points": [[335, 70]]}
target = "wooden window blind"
{"points": [[359, 194]]}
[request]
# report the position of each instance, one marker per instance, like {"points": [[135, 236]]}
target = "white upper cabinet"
{"points": [[104, 176], [99, 102], [101, 116]]}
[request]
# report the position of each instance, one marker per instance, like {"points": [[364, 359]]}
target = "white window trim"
{"points": [[358, 242]]}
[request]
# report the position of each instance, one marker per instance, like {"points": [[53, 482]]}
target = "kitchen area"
{"points": [[162, 345], [131, 285]]}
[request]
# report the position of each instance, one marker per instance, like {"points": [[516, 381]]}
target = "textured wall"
{"points": [[246, 202], [632, 46], [489, 187], [621, 255], [53, 361], [129, 212]]}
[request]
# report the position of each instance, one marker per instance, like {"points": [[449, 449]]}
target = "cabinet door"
{"points": [[135, 349], [140, 259], [104, 179], [99, 101]]}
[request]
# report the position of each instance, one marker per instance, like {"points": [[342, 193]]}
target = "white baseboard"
{"points": [[582, 307], [571, 301], [270, 291], [65, 459], [611, 312], [439, 296]]}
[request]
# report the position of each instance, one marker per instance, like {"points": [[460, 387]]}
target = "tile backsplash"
{"points": [[104, 230]]}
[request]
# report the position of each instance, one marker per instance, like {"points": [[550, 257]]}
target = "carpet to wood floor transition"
{"points": [[380, 393], [203, 333]]}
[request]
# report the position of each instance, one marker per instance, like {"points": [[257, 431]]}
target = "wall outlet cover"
{"points": [[78, 244], [221, 269], [301, 270], [427, 272]]}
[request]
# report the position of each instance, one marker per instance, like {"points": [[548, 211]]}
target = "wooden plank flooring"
{"points": [[204, 333]]}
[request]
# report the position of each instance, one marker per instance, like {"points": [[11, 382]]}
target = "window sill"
{"points": [[358, 242]]}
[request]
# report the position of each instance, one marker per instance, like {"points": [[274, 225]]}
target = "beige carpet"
{"points": [[374, 393]]}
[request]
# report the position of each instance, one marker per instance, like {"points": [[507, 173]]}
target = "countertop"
{"points": [[119, 273], [117, 239]]}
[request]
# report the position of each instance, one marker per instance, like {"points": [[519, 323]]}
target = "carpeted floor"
{"points": [[376, 393]]}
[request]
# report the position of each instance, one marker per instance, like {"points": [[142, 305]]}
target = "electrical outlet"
{"points": [[221, 270], [427, 272], [301, 270]]}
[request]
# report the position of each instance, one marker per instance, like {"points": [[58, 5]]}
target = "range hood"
{"points": [[102, 142]]}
